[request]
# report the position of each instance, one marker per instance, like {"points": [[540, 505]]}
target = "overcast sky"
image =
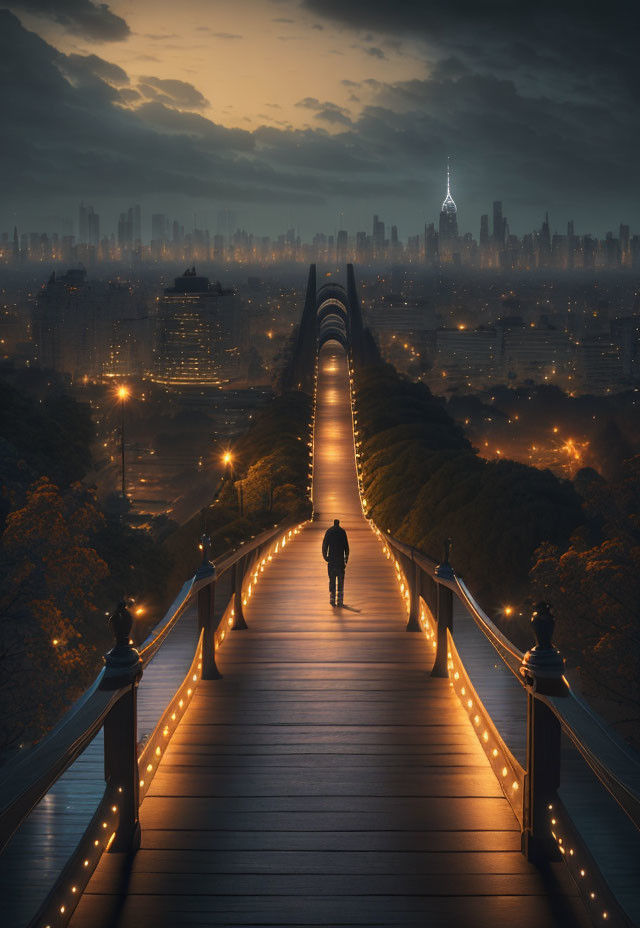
{"points": [[316, 114]]}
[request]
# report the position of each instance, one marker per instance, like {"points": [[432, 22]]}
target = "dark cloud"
{"points": [[172, 92], [79, 130], [375, 52], [81, 66], [90, 20], [328, 112], [448, 68], [581, 38], [227, 35]]}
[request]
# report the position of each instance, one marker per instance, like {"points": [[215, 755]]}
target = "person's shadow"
{"points": [[349, 608]]}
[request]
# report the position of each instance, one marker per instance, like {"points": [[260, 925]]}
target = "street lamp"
{"points": [[123, 395], [227, 460]]}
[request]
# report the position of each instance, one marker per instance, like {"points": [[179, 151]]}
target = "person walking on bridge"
{"points": [[335, 551]]}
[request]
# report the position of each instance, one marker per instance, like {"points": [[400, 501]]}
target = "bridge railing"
{"points": [[573, 784], [110, 703]]}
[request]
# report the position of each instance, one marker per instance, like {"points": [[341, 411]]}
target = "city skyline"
{"points": [[318, 115], [138, 237]]}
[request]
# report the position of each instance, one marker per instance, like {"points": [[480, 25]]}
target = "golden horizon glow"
{"points": [[193, 43]]}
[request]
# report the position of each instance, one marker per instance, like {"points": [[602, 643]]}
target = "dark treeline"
{"points": [[65, 563], [424, 482], [268, 477], [519, 534]]}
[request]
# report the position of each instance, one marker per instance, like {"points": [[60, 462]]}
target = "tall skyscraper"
{"points": [[378, 237], [88, 225], [544, 243], [484, 230], [448, 224], [136, 224], [498, 224], [341, 247], [159, 227]]}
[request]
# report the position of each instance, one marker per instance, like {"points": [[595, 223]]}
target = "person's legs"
{"points": [[332, 585], [341, 587]]}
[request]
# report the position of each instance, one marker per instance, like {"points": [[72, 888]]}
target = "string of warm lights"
{"points": [[101, 832], [584, 873], [62, 901], [258, 567], [312, 430], [508, 771], [156, 745], [98, 838]]}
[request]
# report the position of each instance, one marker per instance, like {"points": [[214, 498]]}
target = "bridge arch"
{"points": [[332, 314]]}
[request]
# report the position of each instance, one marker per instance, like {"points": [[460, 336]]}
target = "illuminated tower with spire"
{"points": [[448, 226]]}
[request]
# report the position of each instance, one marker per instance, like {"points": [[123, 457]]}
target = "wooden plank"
{"points": [[340, 840], [478, 911]]}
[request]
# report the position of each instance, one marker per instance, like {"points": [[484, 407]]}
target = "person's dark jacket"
{"points": [[335, 547]]}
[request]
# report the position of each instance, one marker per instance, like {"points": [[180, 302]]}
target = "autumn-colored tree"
{"points": [[594, 586], [47, 598]]}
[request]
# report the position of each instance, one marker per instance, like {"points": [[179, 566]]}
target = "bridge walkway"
{"points": [[327, 779]]}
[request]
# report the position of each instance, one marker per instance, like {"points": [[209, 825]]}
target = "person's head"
{"points": [[336, 522]]}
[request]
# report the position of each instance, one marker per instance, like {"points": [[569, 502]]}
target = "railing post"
{"points": [[414, 578], [237, 577], [206, 610], [443, 571], [543, 672], [123, 668]]}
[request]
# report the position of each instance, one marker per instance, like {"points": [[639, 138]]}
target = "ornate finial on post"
{"points": [[543, 622], [122, 663], [121, 623], [206, 567], [444, 569], [543, 666]]}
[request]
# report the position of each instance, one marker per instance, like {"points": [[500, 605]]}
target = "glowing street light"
{"points": [[123, 396]]}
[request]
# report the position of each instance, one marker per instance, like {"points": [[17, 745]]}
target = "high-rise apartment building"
{"points": [[197, 333], [484, 231], [159, 227], [64, 326], [498, 224], [88, 225]]}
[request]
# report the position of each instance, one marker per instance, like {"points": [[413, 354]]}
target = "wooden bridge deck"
{"points": [[327, 779]]}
